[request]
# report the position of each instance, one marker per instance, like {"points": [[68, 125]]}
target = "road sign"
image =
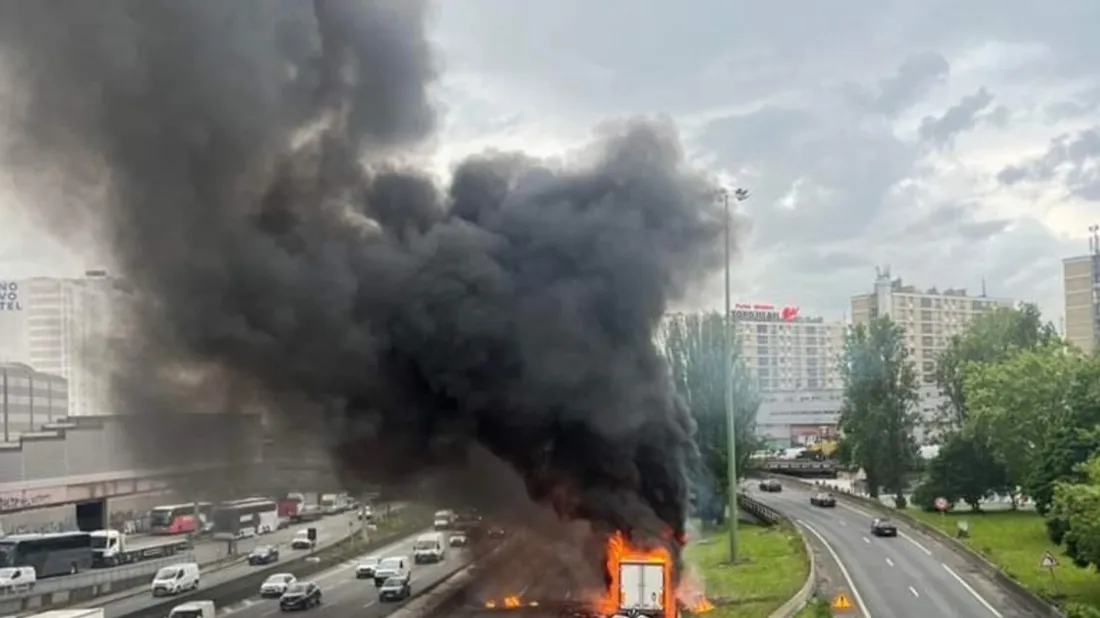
{"points": [[841, 601], [1048, 561], [941, 504]]}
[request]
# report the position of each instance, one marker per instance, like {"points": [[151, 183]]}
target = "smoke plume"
{"points": [[285, 256]]}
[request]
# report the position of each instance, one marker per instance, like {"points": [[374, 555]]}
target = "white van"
{"points": [[302, 541], [430, 547], [17, 579], [175, 579], [194, 609]]}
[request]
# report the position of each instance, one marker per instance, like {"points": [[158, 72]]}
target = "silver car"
{"points": [[276, 585]]}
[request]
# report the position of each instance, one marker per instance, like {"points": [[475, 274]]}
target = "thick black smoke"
{"points": [[283, 257]]}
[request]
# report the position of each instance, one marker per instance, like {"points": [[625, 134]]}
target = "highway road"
{"points": [[910, 575], [329, 530], [343, 595]]}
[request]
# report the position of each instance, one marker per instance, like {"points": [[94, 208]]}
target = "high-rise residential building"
{"points": [[929, 316], [61, 327], [1081, 277], [785, 351]]}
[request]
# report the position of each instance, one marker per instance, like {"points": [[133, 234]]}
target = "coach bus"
{"points": [[246, 518], [59, 553], [178, 518]]}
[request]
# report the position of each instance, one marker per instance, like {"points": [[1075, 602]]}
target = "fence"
{"points": [[95, 577]]}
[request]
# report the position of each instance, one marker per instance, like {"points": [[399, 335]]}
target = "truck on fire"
{"points": [[642, 590], [112, 547]]}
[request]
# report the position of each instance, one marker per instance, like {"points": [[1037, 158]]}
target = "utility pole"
{"points": [[731, 421]]}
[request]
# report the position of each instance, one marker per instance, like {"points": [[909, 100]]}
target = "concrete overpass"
{"points": [[804, 468]]}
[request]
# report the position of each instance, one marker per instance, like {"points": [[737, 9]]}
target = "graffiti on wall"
{"points": [[31, 498]]}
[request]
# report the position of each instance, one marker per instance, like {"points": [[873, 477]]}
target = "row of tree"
{"points": [[1021, 417], [694, 345]]}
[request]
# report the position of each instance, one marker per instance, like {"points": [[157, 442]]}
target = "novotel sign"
{"points": [[757, 312], [9, 296]]}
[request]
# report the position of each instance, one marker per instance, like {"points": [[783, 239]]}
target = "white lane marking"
{"points": [[914, 591], [866, 540], [856, 509], [914, 542], [889, 562], [842, 522], [973, 592], [843, 570]]}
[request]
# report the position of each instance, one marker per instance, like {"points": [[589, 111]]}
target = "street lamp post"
{"points": [[731, 422]]}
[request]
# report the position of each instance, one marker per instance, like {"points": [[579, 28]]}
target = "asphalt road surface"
{"points": [[910, 575], [329, 530], [345, 596]]}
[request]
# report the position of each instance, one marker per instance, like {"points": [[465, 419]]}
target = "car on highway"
{"points": [[823, 498], [263, 554], [458, 540], [300, 595], [391, 566], [881, 526], [395, 589], [366, 567], [496, 532], [274, 586], [770, 485]]}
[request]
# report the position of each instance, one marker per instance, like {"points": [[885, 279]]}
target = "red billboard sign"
{"points": [[762, 312]]}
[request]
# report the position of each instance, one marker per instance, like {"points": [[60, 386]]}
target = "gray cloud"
{"points": [[1071, 158], [964, 115]]}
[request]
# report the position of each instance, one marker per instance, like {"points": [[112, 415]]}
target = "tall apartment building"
{"points": [[785, 351], [1081, 279], [29, 399], [61, 326], [930, 316]]}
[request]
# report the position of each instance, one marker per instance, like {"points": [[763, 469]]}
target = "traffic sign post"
{"points": [[941, 506], [841, 602], [1049, 562]]}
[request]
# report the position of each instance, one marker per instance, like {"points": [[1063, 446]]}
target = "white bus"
{"points": [[241, 519]]}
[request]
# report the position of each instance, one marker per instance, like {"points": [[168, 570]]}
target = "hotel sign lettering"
{"points": [[9, 296], [757, 312]]}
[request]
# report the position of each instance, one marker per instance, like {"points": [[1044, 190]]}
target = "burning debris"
{"points": [[253, 156]]}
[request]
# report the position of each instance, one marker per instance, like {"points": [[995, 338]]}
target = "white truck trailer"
{"points": [[112, 547]]}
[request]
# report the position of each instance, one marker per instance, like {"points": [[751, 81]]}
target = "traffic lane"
{"points": [[906, 568], [329, 531], [997, 601], [345, 595]]}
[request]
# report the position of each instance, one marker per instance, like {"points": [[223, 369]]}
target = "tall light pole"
{"points": [[731, 421]]}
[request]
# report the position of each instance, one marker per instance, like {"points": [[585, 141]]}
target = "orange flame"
{"points": [[701, 606], [511, 601], [619, 551]]}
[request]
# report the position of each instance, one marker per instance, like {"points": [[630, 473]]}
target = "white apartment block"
{"points": [[1081, 281], [785, 351], [61, 327], [930, 317]]}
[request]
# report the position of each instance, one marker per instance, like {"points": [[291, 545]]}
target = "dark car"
{"points": [[300, 595], [770, 485], [496, 532], [823, 498], [395, 589], [263, 554], [883, 527]]}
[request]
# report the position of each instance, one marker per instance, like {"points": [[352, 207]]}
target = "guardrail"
{"points": [[1037, 605], [120, 582], [234, 590], [762, 512]]}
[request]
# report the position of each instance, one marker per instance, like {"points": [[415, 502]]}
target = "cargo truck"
{"points": [[112, 547], [193, 609], [642, 590]]}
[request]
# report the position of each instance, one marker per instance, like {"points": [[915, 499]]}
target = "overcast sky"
{"points": [[953, 142]]}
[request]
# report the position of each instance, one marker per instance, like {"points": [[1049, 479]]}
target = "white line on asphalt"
{"points": [[843, 571], [973, 592], [866, 540], [842, 522], [889, 562], [914, 542], [914, 591]]}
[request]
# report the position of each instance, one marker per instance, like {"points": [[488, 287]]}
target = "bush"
{"points": [[900, 502], [1076, 610]]}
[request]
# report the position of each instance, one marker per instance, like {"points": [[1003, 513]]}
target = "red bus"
{"points": [[289, 504], [178, 518]]}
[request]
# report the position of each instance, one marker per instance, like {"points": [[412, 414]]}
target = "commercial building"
{"points": [[1081, 277], [61, 327], [30, 399], [930, 316]]}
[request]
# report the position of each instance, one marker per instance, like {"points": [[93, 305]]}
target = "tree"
{"points": [[1017, 406], [878, 415], [693, 345], [988, 338], [964, 469], [1077, 504]]}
